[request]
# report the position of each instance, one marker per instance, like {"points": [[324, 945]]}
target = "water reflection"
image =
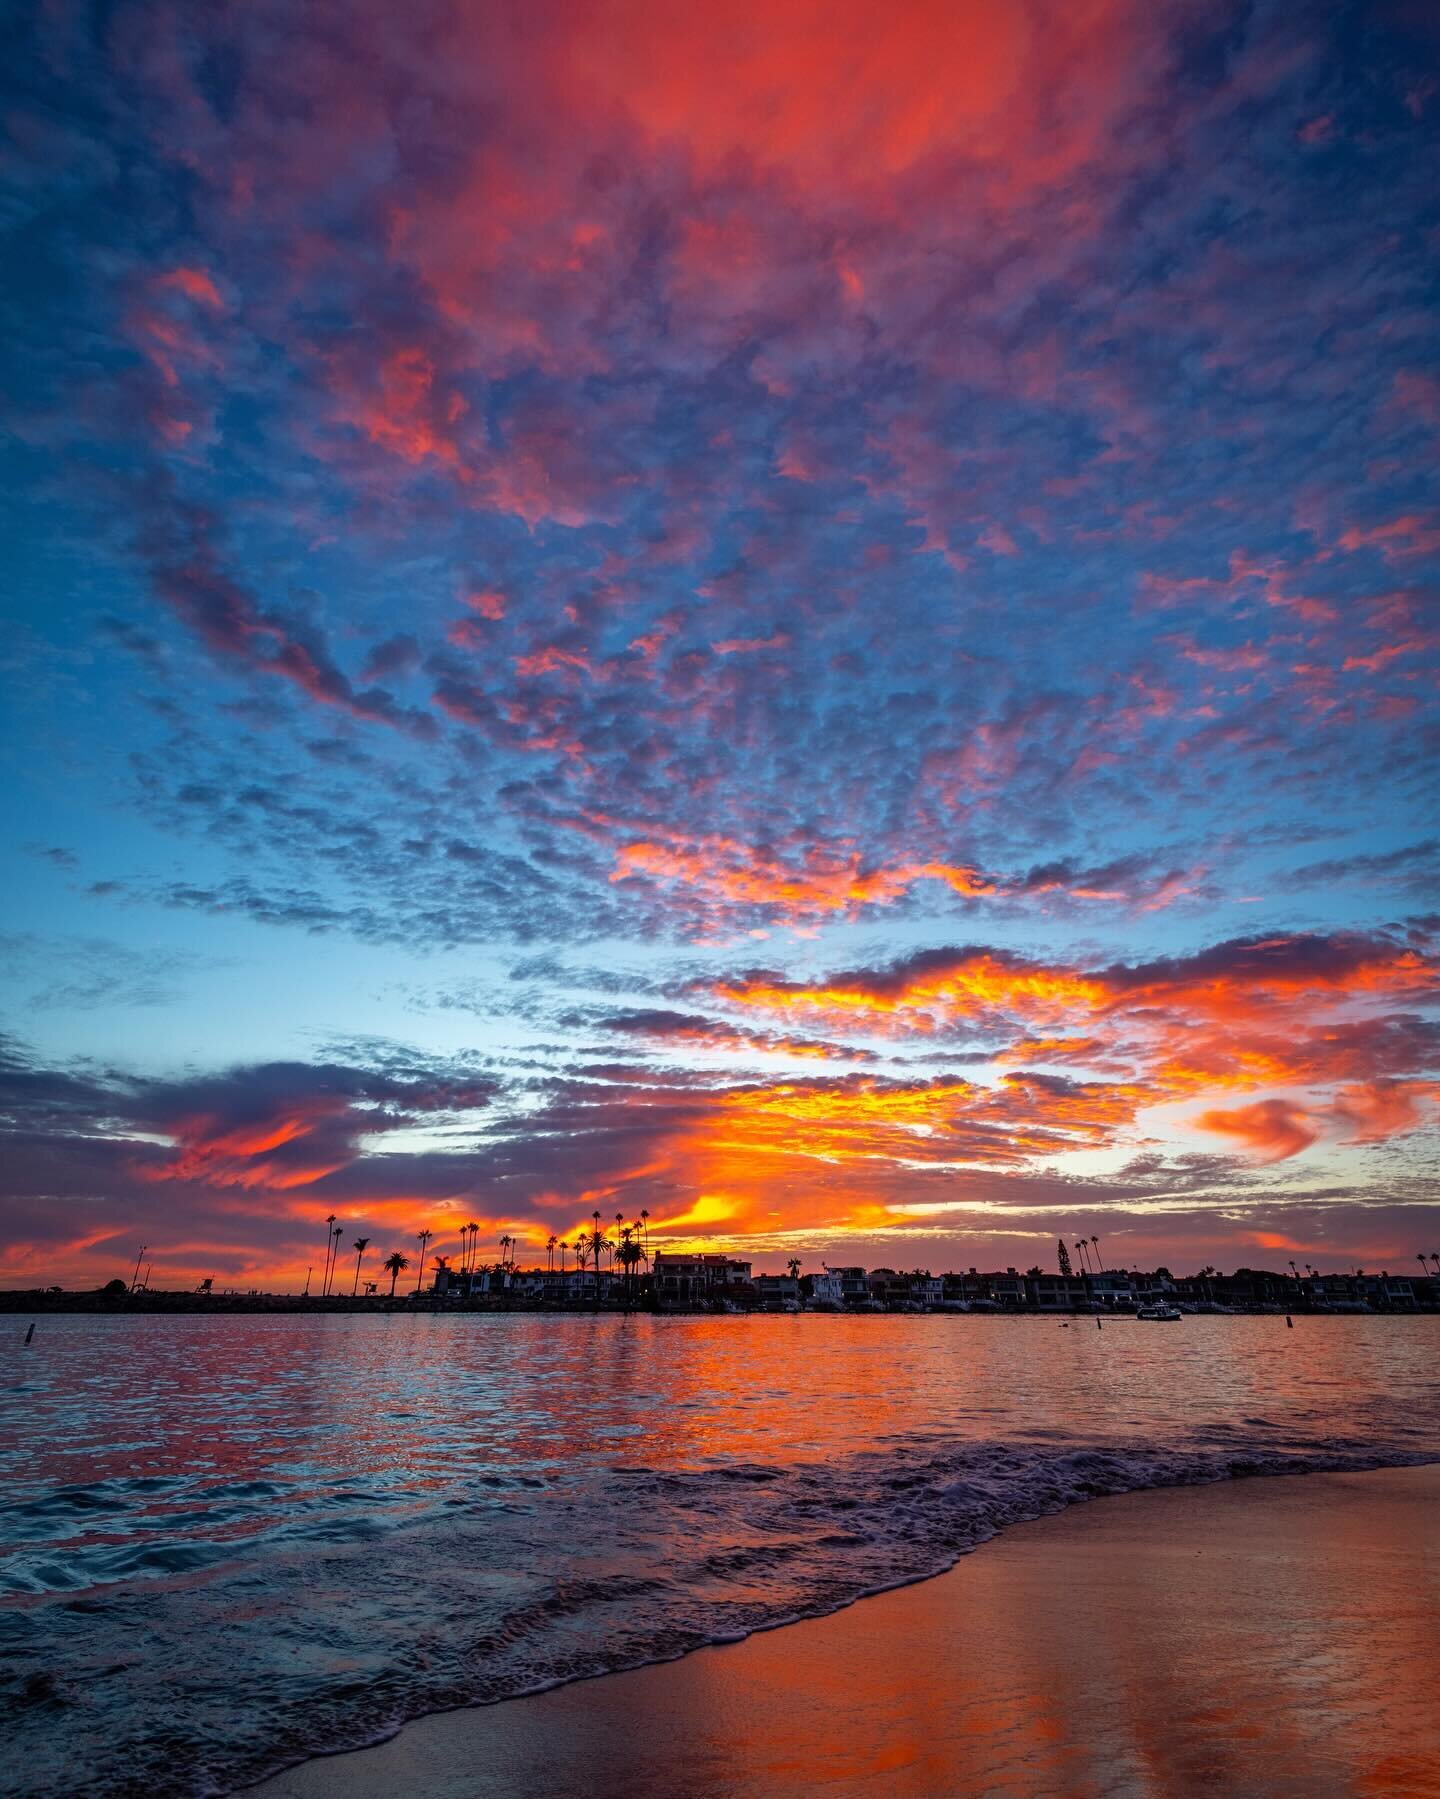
{"points": [[445, 1507]]}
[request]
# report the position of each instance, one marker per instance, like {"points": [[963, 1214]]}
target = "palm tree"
{"points": [[329, 1248], [629, 1253], [645, 1230], [563, 1248], [339, 1232], [550, 1243], [361, 1245], [395, 1265], [793, 1268], [596, 1243], [423, 1237], [1099, 1265]]}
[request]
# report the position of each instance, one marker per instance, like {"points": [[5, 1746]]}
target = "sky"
{"points": [[818, 619]]}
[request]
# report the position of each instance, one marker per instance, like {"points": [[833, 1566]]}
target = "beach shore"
{"points": [[1265, 1637]]}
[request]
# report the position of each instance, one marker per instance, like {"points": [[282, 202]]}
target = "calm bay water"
{"points": [[226, 1543]]}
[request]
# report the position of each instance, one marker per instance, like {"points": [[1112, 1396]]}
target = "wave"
{"points": [[295, 1651]]}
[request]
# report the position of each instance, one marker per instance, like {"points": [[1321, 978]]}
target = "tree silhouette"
{"points": [[361, 1245], [629, 1253], [329, 1251], [423, 1237], [1064, 1255], [395, 1265]]}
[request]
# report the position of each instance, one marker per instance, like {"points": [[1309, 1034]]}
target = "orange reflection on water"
{"points": [[1276, 1637]]}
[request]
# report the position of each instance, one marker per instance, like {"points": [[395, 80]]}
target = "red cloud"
{"points": [[1272, 1127]]}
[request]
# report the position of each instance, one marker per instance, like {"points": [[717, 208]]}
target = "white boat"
{"points": [[1159, 1314]]}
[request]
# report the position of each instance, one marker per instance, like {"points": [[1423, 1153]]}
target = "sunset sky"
{"points": [[818, 617]]}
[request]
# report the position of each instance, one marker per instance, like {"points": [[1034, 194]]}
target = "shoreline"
{"points": [[31, 1305], [1035, 1593]]}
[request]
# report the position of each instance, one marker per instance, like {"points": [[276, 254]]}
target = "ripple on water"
{"points": [[235, 1541]]}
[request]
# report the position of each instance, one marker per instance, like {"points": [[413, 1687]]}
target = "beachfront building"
{"points": [[777, 1292], [854, 1286], [826, 1288], [1056, 1292], [1113, 1287], [1008, 1289], [1389, 1292], [688, 1280]]}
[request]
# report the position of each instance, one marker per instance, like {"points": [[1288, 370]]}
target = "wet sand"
{"points": [[1267, 1637]]}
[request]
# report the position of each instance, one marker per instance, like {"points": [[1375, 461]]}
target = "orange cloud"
{"points": [[1272, 1127], [815, 884]]}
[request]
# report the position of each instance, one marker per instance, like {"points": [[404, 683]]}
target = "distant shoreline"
{"points": [[44, 1304]]}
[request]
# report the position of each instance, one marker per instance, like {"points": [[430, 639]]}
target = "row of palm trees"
{"points": [[1088, 1250], [627, 1250]]}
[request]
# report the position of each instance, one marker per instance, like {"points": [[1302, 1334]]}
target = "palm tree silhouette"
{"points": [[597, 1243], [361, 1245], [395, 1265], [339, 1232], [792, 1268], [550, 1243], [1099, 1265], [423, 1238], [628, 1253], [329, 1249]]}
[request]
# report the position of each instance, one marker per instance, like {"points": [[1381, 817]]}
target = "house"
{"points": [[827, 1288], [1112, 1287], [776, 1292], [1057, 1292], [1388, 1292], [1009, 1288], [854, 1286], [687, 1280], [887, 1288]]}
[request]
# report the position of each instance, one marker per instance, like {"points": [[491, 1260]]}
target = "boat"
{"points": [[1160, 1313]]}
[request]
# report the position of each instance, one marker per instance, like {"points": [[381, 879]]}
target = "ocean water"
{"points": [[228, 1543]]}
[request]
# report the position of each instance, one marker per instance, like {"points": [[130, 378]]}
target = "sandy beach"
{"points": [[1278, 1636]]}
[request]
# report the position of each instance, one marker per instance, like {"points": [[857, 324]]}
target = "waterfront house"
{"points": [[777, 1292], [827, 1288], [687, 1280], [854, 1286], [1009, 1288]]}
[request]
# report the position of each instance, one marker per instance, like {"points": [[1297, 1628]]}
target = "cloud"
{"points": [[1270, 1127], [663, 479]]}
